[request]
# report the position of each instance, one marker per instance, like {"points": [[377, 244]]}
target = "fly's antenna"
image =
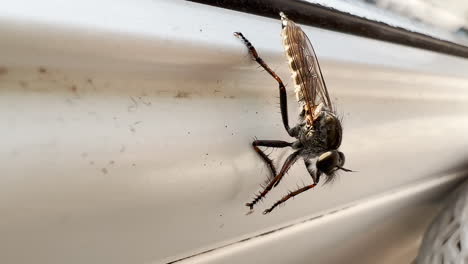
{"points": [[347, 170]]}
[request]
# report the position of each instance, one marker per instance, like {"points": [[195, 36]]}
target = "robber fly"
{"points": [[319, 130]]}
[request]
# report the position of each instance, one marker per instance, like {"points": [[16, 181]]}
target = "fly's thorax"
{"points": [[324, 134]]}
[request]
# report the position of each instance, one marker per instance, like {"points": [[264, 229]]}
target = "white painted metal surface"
{"points": [[126, 131]]}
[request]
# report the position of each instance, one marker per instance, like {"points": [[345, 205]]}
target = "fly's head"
{"points": [[330, 162]]}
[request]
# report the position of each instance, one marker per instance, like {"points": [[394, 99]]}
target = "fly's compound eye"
{"points": [[330, 161]]}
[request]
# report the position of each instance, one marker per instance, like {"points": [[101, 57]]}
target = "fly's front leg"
{"points": [[287, 164], [271, 144], [315, 174], [282, 88], [287, 197], [312, 169]]}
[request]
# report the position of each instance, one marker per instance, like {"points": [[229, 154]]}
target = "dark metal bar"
{"points": [[328, 18]]}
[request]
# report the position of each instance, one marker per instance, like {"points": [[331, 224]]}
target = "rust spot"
{"points": [[104, 170], [73, 88], [42, 70], [182, 95], [3, 70]]}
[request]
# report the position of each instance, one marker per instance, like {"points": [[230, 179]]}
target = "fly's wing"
{"points": [[310, 86]]}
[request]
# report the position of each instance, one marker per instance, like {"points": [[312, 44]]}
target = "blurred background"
{"points": [[450, 15]]}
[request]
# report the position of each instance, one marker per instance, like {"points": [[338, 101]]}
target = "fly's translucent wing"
{"points": [[310, 86]]}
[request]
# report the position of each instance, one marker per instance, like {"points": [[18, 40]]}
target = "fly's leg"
{"points": [[287, 164], [290, 195], [271, 144], [314, 173], [282, 88]]}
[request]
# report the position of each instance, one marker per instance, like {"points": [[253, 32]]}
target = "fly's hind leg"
{"points": [[282, 88], [270, 144]]}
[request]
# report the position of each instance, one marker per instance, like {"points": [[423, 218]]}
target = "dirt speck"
{"points": [[181, 94], [122, 149], [133, 106], [225, 126], [133, 165], [111, 162], [23, 84], [84, 155], [188, 132], [89, 80], [201, 30], [42, 70], [3, 70], [104, 171], [144, 100], [91, 163], [221, 225]]}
